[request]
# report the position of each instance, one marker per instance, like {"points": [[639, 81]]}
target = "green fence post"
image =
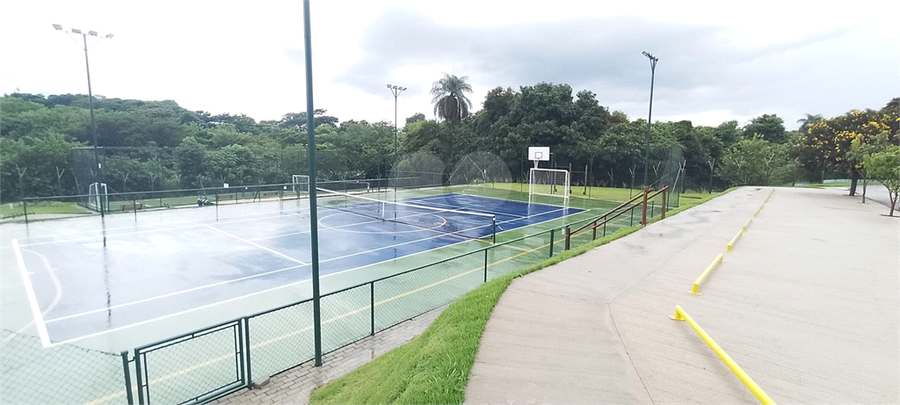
{"points": [[25, 208], [485, 264], [552, 241], [372, 308], [128, 395], [137, 371], [247, 351]]}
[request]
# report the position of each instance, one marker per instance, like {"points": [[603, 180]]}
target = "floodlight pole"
{"points": [[396, 90], [99, 176], [313, 217], [653, 61]]}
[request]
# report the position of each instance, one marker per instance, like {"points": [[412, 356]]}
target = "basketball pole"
{"points": [[313, 220]]}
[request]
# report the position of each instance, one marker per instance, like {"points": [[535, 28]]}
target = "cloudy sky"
{"points": [[718, 60]]}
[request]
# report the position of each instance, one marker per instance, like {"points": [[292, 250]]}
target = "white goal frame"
{"points": [[537, 177], [98, 197], [300, 183]]}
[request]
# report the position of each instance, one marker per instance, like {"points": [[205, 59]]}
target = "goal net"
{"points": [[549, 182], [300, 184], [98, 198]]}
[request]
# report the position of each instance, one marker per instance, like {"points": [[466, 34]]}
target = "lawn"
{"points": [[434, 367], [12, 210]]}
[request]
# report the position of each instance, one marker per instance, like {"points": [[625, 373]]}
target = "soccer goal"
{"points": [[300, 184], [98, 198], [549, 182]]}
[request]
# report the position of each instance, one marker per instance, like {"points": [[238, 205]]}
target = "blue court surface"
{"points": [[146, 273]]}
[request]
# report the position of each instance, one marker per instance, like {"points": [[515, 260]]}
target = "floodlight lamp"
{"points": [[389, 86], [403, 89], [76, 31], [645, 54], [57, 27], [108, 36], [92, 33]]}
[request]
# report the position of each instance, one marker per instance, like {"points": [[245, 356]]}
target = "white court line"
{"points": [[32, 299], [170, 294], [257, 245]]}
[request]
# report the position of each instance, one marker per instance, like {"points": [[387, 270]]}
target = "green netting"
{"points": [[30, 373], [345, 317], [280, 339], [193, 367], [402, 297]]}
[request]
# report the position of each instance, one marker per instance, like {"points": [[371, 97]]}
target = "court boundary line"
{"points": [[32, 298], [256, 245]]}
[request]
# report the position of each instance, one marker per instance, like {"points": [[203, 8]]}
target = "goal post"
{"points": [[98, 198], [300, 184], [549, 182]]}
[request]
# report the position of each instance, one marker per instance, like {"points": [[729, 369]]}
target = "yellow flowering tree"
{"points": [[827, 143]]}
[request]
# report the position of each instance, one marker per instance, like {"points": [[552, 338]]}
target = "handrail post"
{"points": [[664, 194], [138, 375], [247, 351]]}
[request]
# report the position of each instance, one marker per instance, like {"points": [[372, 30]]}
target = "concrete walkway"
{"points": [[807, 303]]}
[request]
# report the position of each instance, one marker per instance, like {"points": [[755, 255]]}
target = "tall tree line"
{"points": [[45, 142]]}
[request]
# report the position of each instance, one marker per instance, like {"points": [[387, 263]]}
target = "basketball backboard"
{"points": [[539, 153]]}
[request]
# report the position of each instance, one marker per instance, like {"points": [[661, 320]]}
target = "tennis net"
{"points": [[410, 215]]}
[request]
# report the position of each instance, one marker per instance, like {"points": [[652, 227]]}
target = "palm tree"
{"points": [[810, 119], [450, 102]]}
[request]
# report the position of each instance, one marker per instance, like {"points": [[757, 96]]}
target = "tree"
{"points": [[885, 167], [415, 118], [827, 142], [806, 121], [769, 126], [449, 98], [756, 162]]}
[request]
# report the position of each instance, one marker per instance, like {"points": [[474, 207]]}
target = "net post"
{"points": [[134, 208], [552, 230], [568, 237], [217, 206], [129, 397]]}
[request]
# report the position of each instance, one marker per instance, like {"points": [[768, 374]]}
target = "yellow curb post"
{"points": [[764, 398], [695, 288]]}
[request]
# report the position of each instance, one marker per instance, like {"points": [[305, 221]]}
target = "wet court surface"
{"points": [[86, 287]]}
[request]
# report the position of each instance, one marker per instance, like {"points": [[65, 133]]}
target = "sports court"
{"points": [[181, 269]]}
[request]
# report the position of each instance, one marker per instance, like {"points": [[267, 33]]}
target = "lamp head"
{"points": [[57, 27]]}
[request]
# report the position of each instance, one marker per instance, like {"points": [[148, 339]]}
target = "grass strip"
{"points": [[434, 367]]}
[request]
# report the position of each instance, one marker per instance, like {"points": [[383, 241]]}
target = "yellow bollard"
{"points": [[733, 240], [764, 398]]}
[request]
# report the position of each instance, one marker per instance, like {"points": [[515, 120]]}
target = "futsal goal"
{"points": [[98, 198], [549, 182], [300, 184]]}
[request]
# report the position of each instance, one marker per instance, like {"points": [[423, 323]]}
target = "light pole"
{"points": [[396, 90], [87, 65], [653, 61]]}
